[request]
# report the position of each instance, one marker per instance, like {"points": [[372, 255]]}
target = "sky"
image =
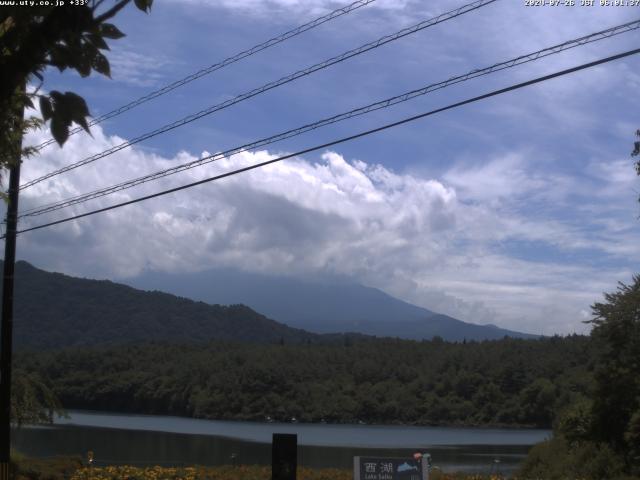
{"points": [[520, 210]]}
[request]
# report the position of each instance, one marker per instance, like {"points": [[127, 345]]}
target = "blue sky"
{"points": [[519, 210]]}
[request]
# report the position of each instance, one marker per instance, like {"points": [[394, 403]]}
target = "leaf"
{"points": [[55, 95], [101, 65], [76, 104], [59, 57], [82, 121], [83, 64], [78, 109], [98, 41], [32, 123], [108, 30], [89, 49], [46, 108], [61, 109], [59, 130], [144, 5], [69, 107]]}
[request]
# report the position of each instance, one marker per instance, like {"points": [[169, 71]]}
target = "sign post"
{"points": [[284, 456], [382, 468]]}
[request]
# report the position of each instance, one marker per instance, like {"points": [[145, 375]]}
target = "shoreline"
{"points": [[492, 426]]}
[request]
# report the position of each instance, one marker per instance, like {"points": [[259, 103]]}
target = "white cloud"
{"points": [[138, 69], [501, 178], [514, 235], [435, 242], [306, 7]]}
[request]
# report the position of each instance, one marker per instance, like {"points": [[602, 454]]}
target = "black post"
{"points": [[6, 328], [284, 456]]}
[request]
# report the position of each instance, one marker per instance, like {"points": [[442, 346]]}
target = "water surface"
{"points": [[148, 439]]}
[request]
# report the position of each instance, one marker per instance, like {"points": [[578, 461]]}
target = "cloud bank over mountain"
{"points": [[448, 244]]}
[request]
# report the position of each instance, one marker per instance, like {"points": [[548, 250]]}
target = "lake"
{"points": [[162, 440]]}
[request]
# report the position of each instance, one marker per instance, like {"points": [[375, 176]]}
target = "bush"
{"points": [[557, 459], [56, 468]]}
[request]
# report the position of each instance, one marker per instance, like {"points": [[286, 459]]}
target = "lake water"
{"points": [[161, 440]]}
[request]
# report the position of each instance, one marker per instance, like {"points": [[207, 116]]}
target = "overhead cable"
{"points": [[217, 66], [339, 141], [530, 57], [269, 86]]}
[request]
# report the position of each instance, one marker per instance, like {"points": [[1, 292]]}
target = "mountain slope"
{"points": [[320, 306], [53, 310]]}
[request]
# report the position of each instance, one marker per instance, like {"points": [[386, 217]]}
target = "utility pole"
{"points": [[6, 327]]}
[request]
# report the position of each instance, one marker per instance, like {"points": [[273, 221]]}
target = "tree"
{"points": [[32, 401], [33, 38], [616, 406], [600, 437]]}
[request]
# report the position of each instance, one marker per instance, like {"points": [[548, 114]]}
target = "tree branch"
{"points": [[111, 12]]}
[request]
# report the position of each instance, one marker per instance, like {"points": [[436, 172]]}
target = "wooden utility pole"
{"points": [[6, 327]]}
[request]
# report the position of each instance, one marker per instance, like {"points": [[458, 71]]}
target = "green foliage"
{"points": [[371, 380], [37, 37], [32, 400], [600, 437], [537, 400], [12, 128], [557, 459], [575, 422], [617, 392], [632, 440], [56, 468]]}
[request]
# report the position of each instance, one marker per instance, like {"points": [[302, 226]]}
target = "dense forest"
{"points": [[505, 382]]}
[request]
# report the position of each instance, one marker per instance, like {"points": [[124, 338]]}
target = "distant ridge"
{"points": [[320, 306], [53, 310]]}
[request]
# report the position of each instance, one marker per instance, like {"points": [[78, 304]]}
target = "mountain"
{"points": [[320, 306], [53, 310]]}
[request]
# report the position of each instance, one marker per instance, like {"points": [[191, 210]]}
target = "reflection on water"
{"points": [[198, 444]]}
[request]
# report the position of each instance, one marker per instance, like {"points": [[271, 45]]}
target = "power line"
{"points": [[269, 86], [336, 118], [341, 140], [217, 66]]}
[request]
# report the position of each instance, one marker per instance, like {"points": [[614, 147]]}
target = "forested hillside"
{"points": [[54, 310], [506, 382]]}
